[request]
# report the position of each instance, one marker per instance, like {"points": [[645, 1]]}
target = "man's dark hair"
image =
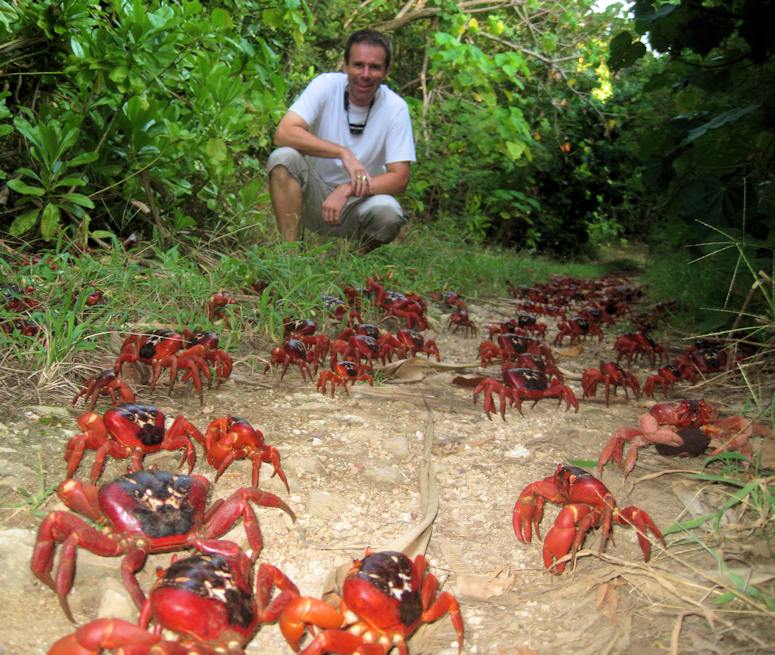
{"points": [[370, 37]]}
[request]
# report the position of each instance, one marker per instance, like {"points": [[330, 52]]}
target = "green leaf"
{"points": [[102, 234], [719, 120], [119, 73], [583, 463], [20, 187], [76, 47], [49, 222], [84, 158], [688, 525], [24, 222], [515, 149], [216, 150], [70, 181], [623, 52], [78, 199]]}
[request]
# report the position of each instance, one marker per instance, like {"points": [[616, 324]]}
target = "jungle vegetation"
{"points": [[541, 125]]}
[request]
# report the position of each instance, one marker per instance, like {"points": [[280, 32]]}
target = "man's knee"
{"points": [[383, 219], [285, 163]]}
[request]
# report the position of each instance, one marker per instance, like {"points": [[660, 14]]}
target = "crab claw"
{"points": [[643, 524], [527, 513], [567, 534]]}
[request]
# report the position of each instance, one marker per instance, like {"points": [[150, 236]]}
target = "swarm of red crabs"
{"points": [[386, 596]]}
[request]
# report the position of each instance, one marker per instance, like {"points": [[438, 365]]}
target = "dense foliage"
{"points": [[157, 117]]}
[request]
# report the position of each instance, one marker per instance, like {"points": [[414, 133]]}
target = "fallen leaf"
{"points": [[414, 369]]}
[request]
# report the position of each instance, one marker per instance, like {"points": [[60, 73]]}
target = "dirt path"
{"points": [[353, 465]]}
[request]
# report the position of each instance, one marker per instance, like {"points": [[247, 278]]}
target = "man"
{"points": [[345, 149]]}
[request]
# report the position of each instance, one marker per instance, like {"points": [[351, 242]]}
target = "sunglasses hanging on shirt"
{"points": [[356, 128]]}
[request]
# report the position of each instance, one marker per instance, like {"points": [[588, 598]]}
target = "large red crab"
{"points": [[106, 383], [664, 425], [386, 596], [141, 513], [587, 503], [210, 600], [612, 375], [231, 438], [522, 384], [131, 431]]}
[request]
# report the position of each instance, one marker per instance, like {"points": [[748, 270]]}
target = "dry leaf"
{"points": [[414, 369], [482, 587]]}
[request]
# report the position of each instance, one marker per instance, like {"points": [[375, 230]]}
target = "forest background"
{"points": [[541, 125]]}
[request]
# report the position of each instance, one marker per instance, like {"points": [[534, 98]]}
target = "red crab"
{"points": [[414, 342], [460, 319], [217, 306], [522, 384], [410, 307], [663, 424], [120, 637], [530, 324], [204, 344], [211, 598], [385, 597], [577, 328], [537, 362], [231, 438], [141, 513], [612, 375], [510, 346], [631, 346], [666, 376], [131, 431], [106, 383], [163, 349], [293, 351], [587, 504], [341, 374]]}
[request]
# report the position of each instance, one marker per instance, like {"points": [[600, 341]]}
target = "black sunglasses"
{"points": [[356, 128]]}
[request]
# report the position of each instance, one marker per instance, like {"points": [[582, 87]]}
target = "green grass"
{"points": [[146, 287]]}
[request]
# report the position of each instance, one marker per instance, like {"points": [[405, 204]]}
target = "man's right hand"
{"points": [[334, 203]]}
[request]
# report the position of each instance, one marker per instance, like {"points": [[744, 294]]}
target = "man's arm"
{"points": [[392, 182], [293, 131]]}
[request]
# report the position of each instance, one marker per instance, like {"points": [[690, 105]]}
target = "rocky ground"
{"points": [[356, 466]]}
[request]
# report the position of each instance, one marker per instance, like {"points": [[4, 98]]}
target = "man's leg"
{"points": [[379, 220], [287, 199], [288, 175]]}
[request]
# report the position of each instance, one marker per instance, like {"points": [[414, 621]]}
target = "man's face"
{"points": [[365, 72]]}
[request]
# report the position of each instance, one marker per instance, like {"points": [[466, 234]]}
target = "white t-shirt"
{"points": [[387, 137]]}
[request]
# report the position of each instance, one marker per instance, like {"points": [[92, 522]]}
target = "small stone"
{"points": [[49, 411], [298, 464], [325, 505], [397, 446], [15, 475], [386, 476], [115, 601], [15, 555]]}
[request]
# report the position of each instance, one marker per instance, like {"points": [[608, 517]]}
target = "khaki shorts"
{"points": [[376, 217]]}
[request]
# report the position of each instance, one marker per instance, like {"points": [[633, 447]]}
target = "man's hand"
{"points": [[360, 180], [333, 204]]}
